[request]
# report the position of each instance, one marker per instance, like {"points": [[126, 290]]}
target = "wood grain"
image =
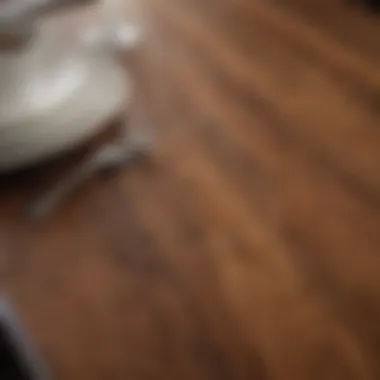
{"points": [[247, 246]]}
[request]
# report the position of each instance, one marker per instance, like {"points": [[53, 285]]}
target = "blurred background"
{"points": [[247, 244]]}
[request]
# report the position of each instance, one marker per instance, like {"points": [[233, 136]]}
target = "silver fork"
{"points": [[108, 157]]}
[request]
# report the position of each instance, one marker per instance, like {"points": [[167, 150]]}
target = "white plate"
{"points": [[50, 103]]}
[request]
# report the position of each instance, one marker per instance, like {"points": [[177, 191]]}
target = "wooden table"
{"points": [[248, 246]]}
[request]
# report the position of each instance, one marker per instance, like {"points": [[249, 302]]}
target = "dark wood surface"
{"points": [[248, 245]]}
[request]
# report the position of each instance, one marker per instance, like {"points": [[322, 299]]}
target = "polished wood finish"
{"points": [[248, 245]]}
